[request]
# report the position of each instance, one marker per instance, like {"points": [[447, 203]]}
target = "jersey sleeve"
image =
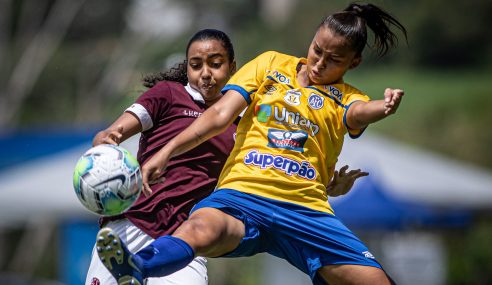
{"points": [[249, 78], [350, 97], [152, 105]]}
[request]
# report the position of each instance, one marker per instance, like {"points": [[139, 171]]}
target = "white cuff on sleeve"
{"points": [[142, 115]]}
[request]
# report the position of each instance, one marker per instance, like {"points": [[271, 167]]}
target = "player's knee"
{"points": [[198, 233]]}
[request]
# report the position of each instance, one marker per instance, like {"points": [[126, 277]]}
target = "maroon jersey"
{"points": [[165, 111]]}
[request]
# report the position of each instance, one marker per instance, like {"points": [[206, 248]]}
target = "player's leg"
{"points": [[211, 232], [195, 273], [131, 235], [208, 232], [348, 274], [97, 273], [320, 245], [118, 260]]}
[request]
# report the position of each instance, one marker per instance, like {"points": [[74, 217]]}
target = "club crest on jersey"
{"points": [[316, 101], [291, 167], [286, 139], [334, 91], [293, 97], [280, 77], [270, 89]]}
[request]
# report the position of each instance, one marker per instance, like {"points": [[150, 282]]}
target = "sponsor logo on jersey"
{"points": [[293, 97], [280, 77], [191, 113], [286, 139], [262, 112], [270, 89], [291, 167], [294, 120], [316, 101], [286, 118], [334, 91]]}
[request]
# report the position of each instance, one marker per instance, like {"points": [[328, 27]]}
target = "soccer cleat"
{"points": [[117, 258]]}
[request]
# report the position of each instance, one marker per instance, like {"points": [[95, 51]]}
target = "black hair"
{"points": [[351, 24], [178, 72]]}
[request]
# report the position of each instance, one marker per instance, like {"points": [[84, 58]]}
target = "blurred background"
{"points": [[68, 68]]}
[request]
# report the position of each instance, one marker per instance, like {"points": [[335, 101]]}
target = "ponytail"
{"points": [[351, 23]]}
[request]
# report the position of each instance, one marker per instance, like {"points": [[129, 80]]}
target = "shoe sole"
{"points": [[109, 247]]}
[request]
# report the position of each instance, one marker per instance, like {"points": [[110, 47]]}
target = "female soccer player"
{"points": [[271, 194], [175, 100]]}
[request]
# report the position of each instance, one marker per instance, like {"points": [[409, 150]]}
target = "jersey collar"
{"points": [[194, 94]]}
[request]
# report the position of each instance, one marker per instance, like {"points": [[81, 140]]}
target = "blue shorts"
{"points": [[306, 238]]}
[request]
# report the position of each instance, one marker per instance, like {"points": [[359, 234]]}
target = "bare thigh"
{"points": [[353, 275], [211, 232]]}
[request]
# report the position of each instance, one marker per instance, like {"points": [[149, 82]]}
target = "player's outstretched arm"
{"points": [[124, 127], [216, 119], [360, 114], [343, 181]]}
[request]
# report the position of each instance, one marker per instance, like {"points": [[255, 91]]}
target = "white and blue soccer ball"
{"points": [[107, 180]]}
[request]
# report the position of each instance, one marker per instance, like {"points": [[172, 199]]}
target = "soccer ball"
{"points": [[107, 180]]}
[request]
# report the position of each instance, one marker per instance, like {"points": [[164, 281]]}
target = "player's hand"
{"points": [[343, 181], [109, 136], [152, 171], [392, 99]]}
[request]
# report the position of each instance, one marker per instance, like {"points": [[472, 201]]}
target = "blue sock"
{"points": [[164, 256]]}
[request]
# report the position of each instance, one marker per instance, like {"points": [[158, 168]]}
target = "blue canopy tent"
{"points": [[27, 145], [370, 207]]}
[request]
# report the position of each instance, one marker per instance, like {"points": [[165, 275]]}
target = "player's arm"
{"points": [[216, 119], [343, 181], [361, 114], [124, 127]]}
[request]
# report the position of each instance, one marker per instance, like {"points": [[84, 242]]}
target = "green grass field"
{"points": [[447, 111]]}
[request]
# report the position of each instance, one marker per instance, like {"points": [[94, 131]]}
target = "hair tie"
{"points": [[357, 9]]}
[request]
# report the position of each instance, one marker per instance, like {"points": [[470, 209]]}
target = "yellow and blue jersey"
{"points": [[289, 138]]}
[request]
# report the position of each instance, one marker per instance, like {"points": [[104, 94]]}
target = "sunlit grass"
{"points": [[449, 112]]}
